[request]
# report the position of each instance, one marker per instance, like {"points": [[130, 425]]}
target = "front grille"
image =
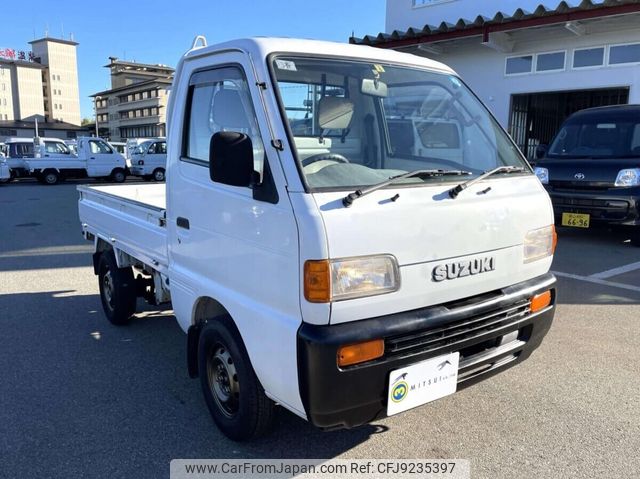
{"points": [[598, 208], [456, 332]]}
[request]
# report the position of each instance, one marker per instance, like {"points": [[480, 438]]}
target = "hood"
{"points": [[423, 227]]}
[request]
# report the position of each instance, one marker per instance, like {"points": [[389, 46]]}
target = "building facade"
{"points": [[42, 84], [531, 65], [135, 105]]}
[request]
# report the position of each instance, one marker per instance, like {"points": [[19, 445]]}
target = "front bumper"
{"points": [[613, 206], [349, 397]]}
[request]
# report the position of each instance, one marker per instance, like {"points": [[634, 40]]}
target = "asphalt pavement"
{"points": [[82, 398]]}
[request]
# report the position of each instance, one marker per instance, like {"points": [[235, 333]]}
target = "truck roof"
{"points": [[261, 47]]}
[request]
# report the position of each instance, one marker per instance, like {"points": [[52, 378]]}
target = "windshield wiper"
{"points": [[351, 197], [454, 192]]}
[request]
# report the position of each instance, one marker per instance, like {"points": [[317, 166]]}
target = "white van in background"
{"points": [[149, 160]]}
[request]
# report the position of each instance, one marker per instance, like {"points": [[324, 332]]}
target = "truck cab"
{"points": [[149, 160], [95, 159], [312, 263]]}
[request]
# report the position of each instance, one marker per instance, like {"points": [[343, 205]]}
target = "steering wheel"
{"points": [[324, 157]]}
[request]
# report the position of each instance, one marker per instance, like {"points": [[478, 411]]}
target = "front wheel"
{"points": [[235, 398], [158, 174], [117, 290], [118, 175]]}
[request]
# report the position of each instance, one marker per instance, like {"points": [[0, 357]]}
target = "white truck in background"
{"points": [[19, 150], [95, 159], [149, 160], [310, 267]]}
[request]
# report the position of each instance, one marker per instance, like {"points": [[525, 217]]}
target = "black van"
{"points": [[592, 169]]}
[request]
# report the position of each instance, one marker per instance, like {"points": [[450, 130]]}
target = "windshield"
{"points": [[357, 124], [590, 138], [141, 148]]}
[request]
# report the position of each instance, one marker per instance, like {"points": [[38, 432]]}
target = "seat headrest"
{"points": [[228, 110], [335, 113]]}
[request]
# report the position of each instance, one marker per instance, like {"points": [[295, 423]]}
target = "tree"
{"points": [[86, 121]]}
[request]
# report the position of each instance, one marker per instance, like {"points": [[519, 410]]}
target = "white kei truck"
{"points": [[149, 160], [95, 159], [313, 261]]}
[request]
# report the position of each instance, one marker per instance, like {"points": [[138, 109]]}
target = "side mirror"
{"points": [[231, 159], [541, 150]]}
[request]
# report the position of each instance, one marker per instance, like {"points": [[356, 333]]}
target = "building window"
{"points": [[547, 62], [588, 57], [519, 65], [55, 106], [620, 54]]}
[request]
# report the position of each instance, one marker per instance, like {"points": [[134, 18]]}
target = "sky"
{"points": [[160, 31]]}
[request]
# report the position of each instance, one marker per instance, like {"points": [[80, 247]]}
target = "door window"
{"points": [[219, 100], [98, 147]]}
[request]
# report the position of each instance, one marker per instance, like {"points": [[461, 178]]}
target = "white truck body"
{"points": [[149, 160], [5, 172], [95, 159], [250, 253]]}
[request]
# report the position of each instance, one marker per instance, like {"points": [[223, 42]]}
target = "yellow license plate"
{"points": [[577, 220]]}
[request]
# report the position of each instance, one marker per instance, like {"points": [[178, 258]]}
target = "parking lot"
{"points": [[81, 397]]}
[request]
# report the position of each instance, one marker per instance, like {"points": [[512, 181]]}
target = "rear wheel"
{"points": [[235, 398], [50, 177], [117, 290], [118, 175], [158, 174]]}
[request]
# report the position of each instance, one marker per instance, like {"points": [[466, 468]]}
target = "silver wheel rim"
{"points": [[223, 380], [119, 177], [107, 288], [50, 178], [159, 175]]}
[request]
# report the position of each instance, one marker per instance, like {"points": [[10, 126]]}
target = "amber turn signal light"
{"points": [[540, 301], [317, 281], [360, 352]]}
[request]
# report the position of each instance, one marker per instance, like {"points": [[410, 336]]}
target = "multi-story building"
{"points": [[41, 84], [135, 106], [59, 78], [533, 65]]}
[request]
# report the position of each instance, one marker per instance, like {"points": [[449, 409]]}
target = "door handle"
{"points": [[182, 222], [92, 158]]}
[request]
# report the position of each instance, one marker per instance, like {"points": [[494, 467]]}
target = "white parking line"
{"points": [[591, 279], [616, 271]]}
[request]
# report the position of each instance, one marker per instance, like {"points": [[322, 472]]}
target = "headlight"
{"points": [[339, 279], [542, 174], [629, 177], [540, 243], [141, 162]]}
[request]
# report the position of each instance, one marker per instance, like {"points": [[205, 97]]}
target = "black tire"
{"points": [[118, 175], [50, 177], [117, 290], [235, 398], [158, 174]]}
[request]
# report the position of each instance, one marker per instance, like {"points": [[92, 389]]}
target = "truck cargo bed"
{"points": [[130, 217]]}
